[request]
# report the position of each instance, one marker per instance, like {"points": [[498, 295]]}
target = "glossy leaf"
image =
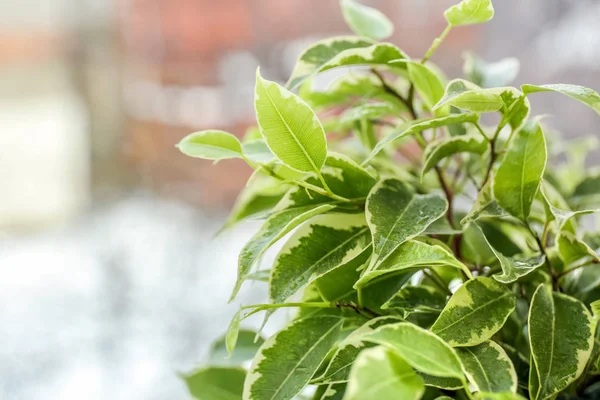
{"points": [[449, 146], [469, 12], [211, 145], [488, 368], [582, 94], [273, 229], [417, 299], [290, 127], [476, 311], [288, 359], [319, 53], [366, 21], [377, 54], [216, 383], [426, 81], [468, 96], [396, 214], [412, 254], [380, 373], [423, 350], [520, 172], [571, 248], [418, 126], [561, 340], [318, 247]]}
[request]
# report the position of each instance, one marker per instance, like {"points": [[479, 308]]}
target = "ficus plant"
{"points": [[438, 240]]}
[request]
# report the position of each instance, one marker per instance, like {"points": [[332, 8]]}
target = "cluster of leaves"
{"points": [[466, 272]]}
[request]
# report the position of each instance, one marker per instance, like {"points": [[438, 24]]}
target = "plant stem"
{"points": [[563, 274], [390, 90], [359, 309], [437, 279], [543, 251], [436, 43], [480, 129]]}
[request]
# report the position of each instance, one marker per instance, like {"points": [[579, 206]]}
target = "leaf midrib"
{"points": [[487, 380], [310, 160]]}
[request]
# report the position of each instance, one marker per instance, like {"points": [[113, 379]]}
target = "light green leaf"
{"points": [[423, 350], [419, 126], [571, 248], [377, 54], [412, 254], [287, 360], [290, 127], [211, 145], [476, 311], [469, 12], [488, 75], [582, 94], [341, 362], [485, 205], [380, 373], [274, 228], [562, 217], [516, 107], [247, 344], [441, 382], [561, 340], [426, 81], [316, 248], [216, 383], [366, 21], [449, 146], [468, 96], [233, 331], [513, 268], [319, 53], [260, 276], [520, 172], [488, 368], [366, 111], [256, 150], [395, 214], [417, 299]]}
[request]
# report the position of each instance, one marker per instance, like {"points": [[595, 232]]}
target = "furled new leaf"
{"points": [[318, 247], [319, 53], [216, 383], [582, 94], [469, 12], [476, 311], [211, 145], [561, 340], [449, 146], [423, 350], [395, 214], [380, 373], [520, 172], [488, 368], [287, 360], [290, 127], [366, 21]]}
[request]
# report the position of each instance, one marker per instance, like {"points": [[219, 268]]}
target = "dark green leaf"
{"points": [[449, 146], [216, 383], [417, 299]]}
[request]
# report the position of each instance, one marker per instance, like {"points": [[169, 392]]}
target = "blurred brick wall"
{"points": [[189, 65]]}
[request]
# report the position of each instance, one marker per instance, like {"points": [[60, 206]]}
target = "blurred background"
{"points": [[111, 279]]}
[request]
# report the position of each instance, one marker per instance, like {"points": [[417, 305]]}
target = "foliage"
{"points": [[466, 269]]}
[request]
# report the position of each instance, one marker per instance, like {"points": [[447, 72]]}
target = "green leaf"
{"points": [[441, 382], [571, 248], [339, 283], [233, 331], [587, 192], [426, 81], [334, 391], [247, 344], [449, 146], [488, 368], [423, 350], [485, 205], [290, 127], [377, 54], [366, 21], [419, 126], [469, 12], [468, 96], [412, 254], [287, 360], [316, 248], [516, 108], [520, 172], [476, 311], [562, 217], [488, 75], [380, 373], [366, 111], [417, 299], [561, 340], [216, 383], [256, 150], [273, 229], [211, 145], [396, 214], [338, 370], [582, 94], [319, 53]]}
